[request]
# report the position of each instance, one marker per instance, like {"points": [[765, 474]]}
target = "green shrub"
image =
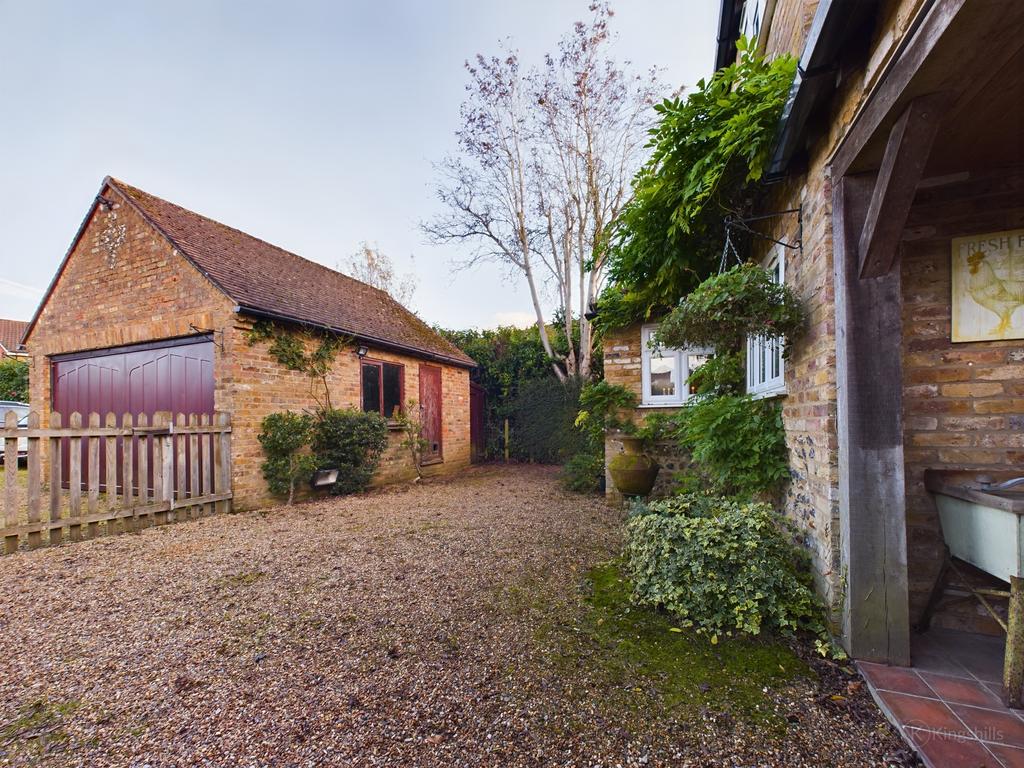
{"points": [[542, 416], [720, 566], [351, 442], [283, 437], [601, 407], [583, 472], [14, 379], [737, 443]]}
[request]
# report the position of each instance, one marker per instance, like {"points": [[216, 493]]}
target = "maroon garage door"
{"points": [[175, 376]]}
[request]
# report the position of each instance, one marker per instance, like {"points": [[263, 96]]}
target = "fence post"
{"points": [[127, 471], [110, 479], [35, 480], [206, 456], [56, 481], [193, 457], [142, 462], [225, 482], [11, 479], [75, 477], [506, 441], [166, 461], [94, 473]]}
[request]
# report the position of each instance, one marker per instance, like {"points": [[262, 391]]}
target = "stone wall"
{"points": [[125, 284]]}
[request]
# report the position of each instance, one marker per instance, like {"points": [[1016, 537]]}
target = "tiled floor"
{"points": [[948, 704]]}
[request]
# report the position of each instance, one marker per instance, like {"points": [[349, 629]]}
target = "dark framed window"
{"points": [[382, 385]]}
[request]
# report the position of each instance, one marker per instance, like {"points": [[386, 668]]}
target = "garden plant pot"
{"points": [[633, 471]]}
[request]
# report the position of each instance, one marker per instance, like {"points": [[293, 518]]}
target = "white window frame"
{"points": [[766, 367], [682, 371]]}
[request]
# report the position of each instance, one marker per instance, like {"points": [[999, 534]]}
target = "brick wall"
{"points": [[963, 404], [143, 290]]}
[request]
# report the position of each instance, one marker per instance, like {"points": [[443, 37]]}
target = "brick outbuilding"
{"points": [[151, 308]]}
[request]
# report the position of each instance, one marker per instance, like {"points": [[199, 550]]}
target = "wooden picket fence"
{"points": [[112, 476]]}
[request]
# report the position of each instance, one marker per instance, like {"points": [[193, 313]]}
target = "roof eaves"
{"points": [[466, 362]]}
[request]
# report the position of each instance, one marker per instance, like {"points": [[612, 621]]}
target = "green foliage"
{"points": [[411, 426], [723, 374], [582, 473], [706, 151], [601, 409], [720, 566], [283, 437], [14, 379], [288, 347], [737, 444], [351, 442], [726, 309], [542, 416]]}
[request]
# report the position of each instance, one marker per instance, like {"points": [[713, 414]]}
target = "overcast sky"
{"points": [[313, 125]]}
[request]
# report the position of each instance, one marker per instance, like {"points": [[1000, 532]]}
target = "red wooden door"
{"points": [[430, 411], [175, 376]]}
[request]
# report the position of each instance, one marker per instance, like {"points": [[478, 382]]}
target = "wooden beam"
{"points": [[872, 485], [910, 143]]}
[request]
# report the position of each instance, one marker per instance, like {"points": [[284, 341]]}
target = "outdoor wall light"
{"points": [[362, 351], [324, 477]]}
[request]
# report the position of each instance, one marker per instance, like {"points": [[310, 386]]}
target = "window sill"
{"points": [[650, 406], [767, 394]]}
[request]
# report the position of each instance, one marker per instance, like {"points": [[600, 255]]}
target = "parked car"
{"points": [[22, 410]]}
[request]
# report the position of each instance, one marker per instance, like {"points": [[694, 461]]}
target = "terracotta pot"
{"points": [[633, 471]]}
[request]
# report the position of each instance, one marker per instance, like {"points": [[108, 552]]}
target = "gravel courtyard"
{"points": [[428, 626]]}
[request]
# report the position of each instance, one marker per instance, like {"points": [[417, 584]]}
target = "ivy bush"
{"points": [[351, 442], [283, 437], [720, 566]]}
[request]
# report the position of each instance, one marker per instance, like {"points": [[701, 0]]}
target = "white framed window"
{"points": [[665, 372], [766, 369]]}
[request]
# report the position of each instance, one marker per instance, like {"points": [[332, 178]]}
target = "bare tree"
{"points": [[373, 267], [545, 163]]}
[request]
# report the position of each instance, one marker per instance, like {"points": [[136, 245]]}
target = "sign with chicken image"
{"points": [[988, 286]]}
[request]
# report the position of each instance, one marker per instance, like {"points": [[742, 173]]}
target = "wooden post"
{"points": [[93, 529], [166, 467], [56, 480], [127, 466], [11, 479], [75, 477], [142, 462], [160, 421], [193, 460], [872, 486], [35, 481], [224, 440], [181, 467], [506, 441], [206, 445], [1013, 663], [110, 457]]}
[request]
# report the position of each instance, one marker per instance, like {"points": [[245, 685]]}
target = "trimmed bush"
{"points": [[283, 437], [720, 566], [351, 442]]}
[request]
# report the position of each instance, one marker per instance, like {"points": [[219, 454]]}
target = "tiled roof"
{"points": [[262, 277], [11, 332]]}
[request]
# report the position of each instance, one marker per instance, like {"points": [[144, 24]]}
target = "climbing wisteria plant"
{"points": [[707, 149]]}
